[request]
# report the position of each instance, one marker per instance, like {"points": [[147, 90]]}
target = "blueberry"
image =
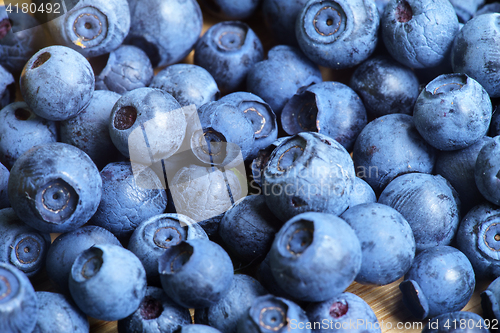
{"points": [[386, 256], [489, 8], [221, 123], [205, 192], [54, 187], [197, 328], [196, 273], [18, 304], [57, 83], [361, 193], [22, 246], [487, 171], [21, 36], [457, 322], [230, 10], [495, 122], [272, 314], [161, 117], [265, 277], [298, 262], [89, 130], [156, 313], [440, 280], [128, 68], [429, 204], [136, 203], [308, 172], [228, 50], [4, 182], [385, 86], [452, 112], [466, 9], [490, 300], [92, 27], [338, 314], [260, 162], [260, 115], [188, 84], [224, 314], [280, 17], [7, 87], [381, 4], [478, 237], [458, 168], [279, 77], [151, 237], [419, 34], [378, 155], [338, 33], [179, 21], [21, 130], [475, 52], [66, 247], [329, 108], [248, 228], [57, 313], [107, 282]]}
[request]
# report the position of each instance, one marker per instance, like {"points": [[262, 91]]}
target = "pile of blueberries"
{"points": [[162, 186]]}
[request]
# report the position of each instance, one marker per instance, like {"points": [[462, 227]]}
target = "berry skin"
{"points": [[487, 171], [137, 203], [196, 273], [21, 130], [92, 27], [338, 33], [415, 196], [228, 51], [452, 112], [298, 262], [21, 245], [224, 314], [66, 247], [440, 280], [151, 237], [55, 187], [89, 130], [18, 305], [278, 78], [56, 313], [179, 21], [386, 257], [385, 86], [128, 68], [477, 239], [156, 313], [419, 33], [21, 37], [188, 84], [107, 282], [270, 313], [475, 52], [299, 176], [341, 311], [57, 83], [330, 108]]}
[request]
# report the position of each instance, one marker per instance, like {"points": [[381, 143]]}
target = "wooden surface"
{"points": [[385, 301]]}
